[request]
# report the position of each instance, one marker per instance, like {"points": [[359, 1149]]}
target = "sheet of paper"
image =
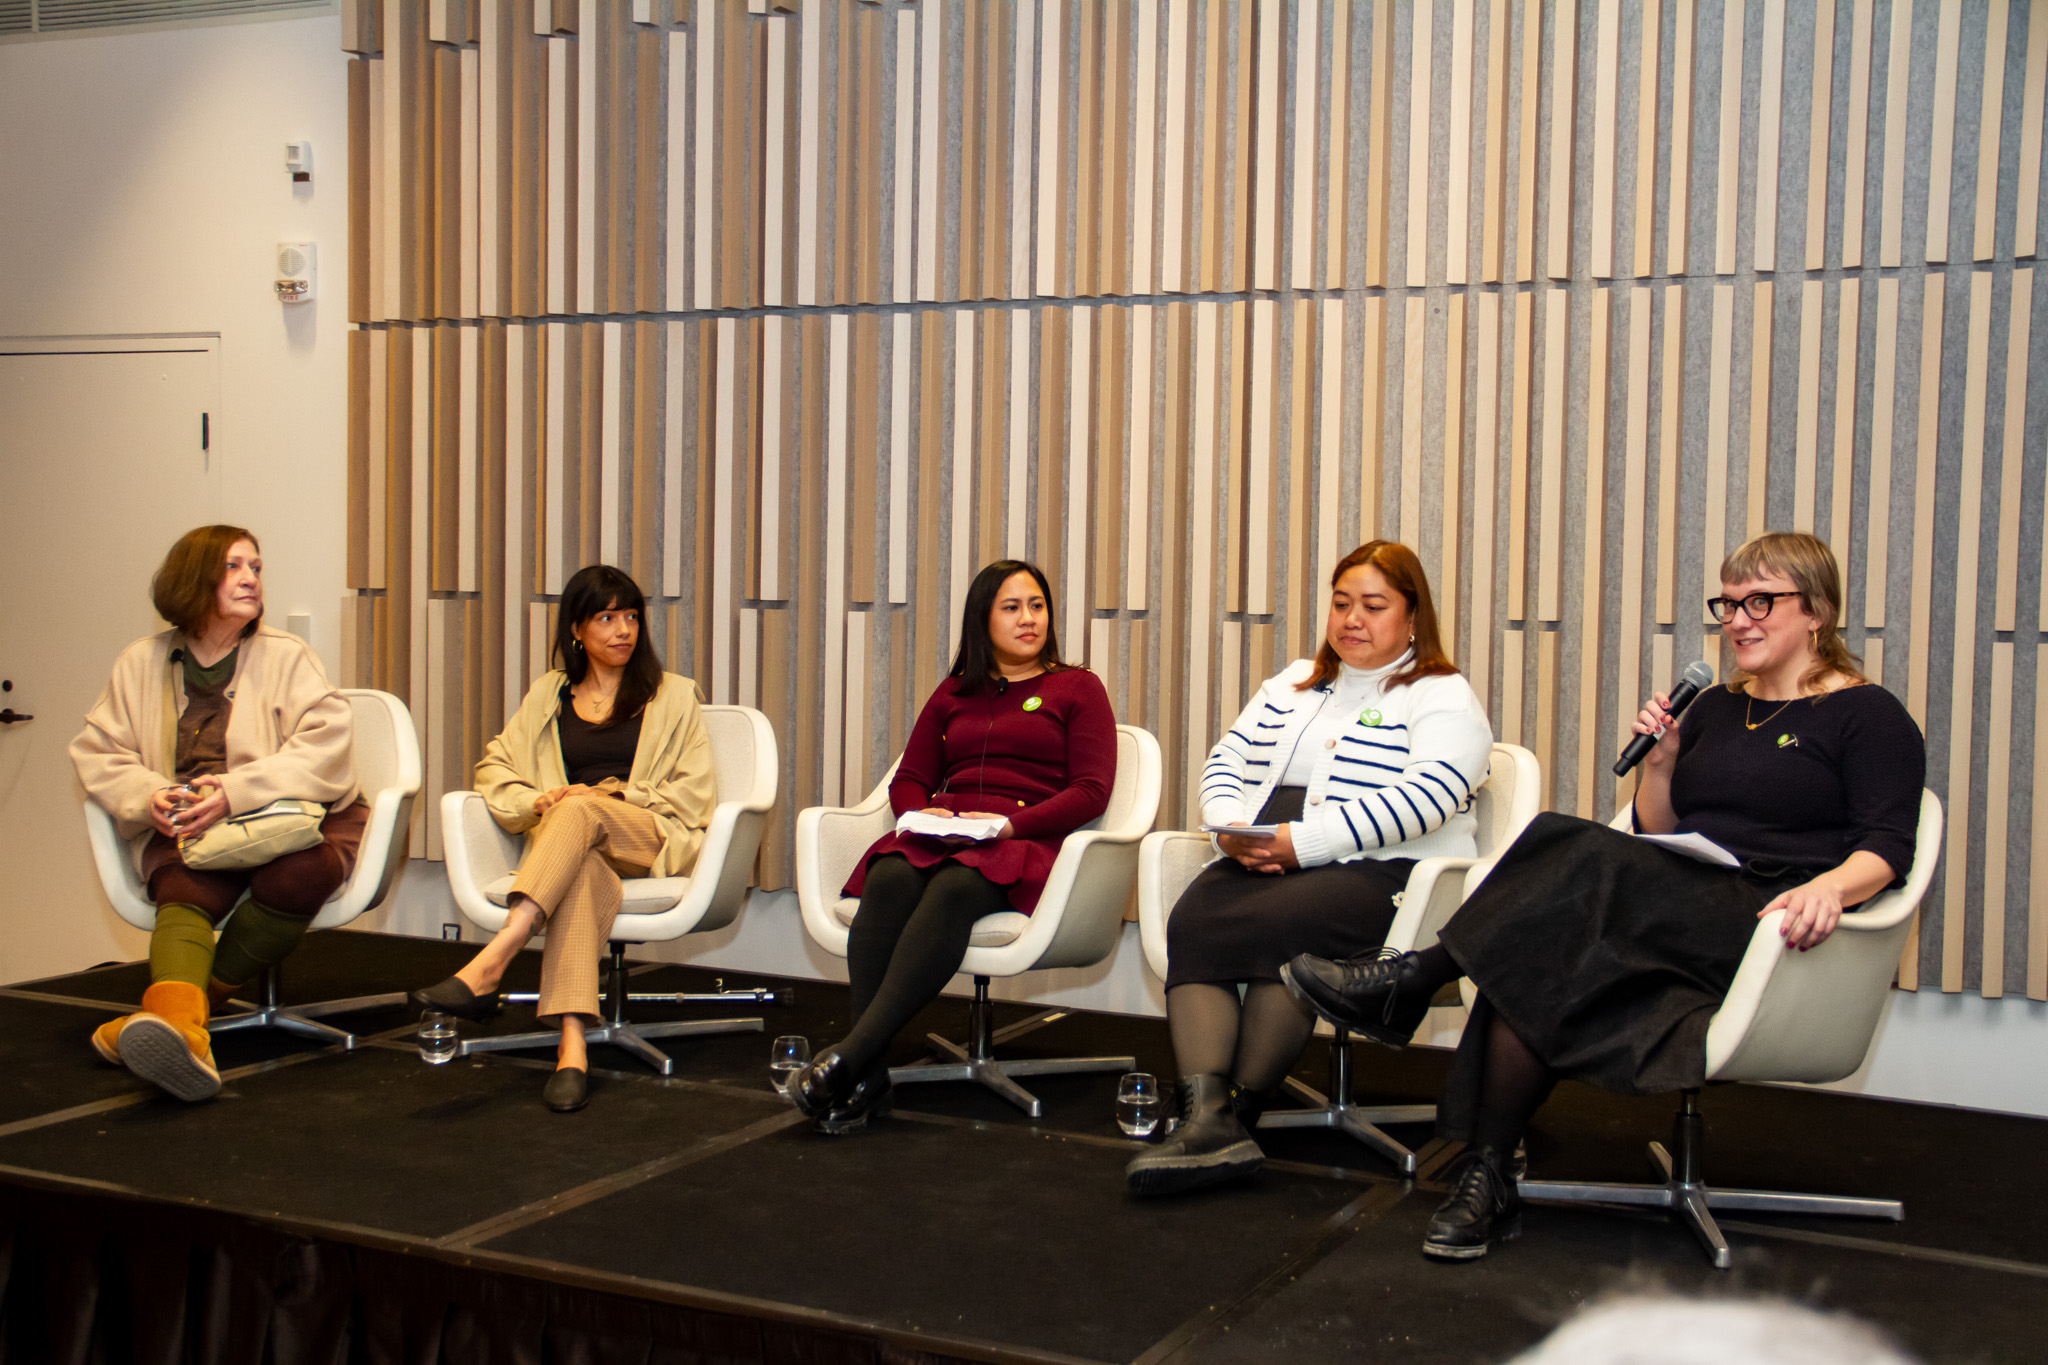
{"points": [[1695, 846], [1243, 831], [948, 826]]}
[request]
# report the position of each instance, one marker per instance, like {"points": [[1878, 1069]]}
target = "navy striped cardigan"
{"points": [[1396, 782]]}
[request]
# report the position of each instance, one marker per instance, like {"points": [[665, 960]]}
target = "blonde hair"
{"points": [[1811, 566]]}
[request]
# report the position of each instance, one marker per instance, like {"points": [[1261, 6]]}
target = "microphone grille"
{"points": [[1699, 673]]}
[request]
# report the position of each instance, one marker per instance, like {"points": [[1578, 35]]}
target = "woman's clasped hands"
{"points": [[1270, 853], [189, 809]]}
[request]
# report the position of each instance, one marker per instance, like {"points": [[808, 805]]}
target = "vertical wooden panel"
{"points": [[468, 359], [1635, 459], [2028, 211], [1941, 149], [1485, 454], [562, 172], [1678, 213], [2012, 461], [1891, 211], [1806, 453], [975, 97], [1757, 483], [1307, 64], [1493, 209], [360, 191], [1532, 81], [1299, 555], [1262, 481], [1144, 147], [1012, 541], [1564, 95], [1823, 103], [1372, 417], [1457, 231], [1856, 135], [1173, 274], [1415, 336], [1451, 530], [1115, 518], [1770, 104], [1116, 226], [833, 577], [1513, 667], [1048, 459], [1138, 567], [1883, 386], [1547, 685], [1202, 531], [643, 474], [1379, 172], [1606, 97], [1266, 219], [1997, 795], [1670, 428], [1052, 144], [1593, 796], [1550, 551], [1518, 458], [1988, 127], [591, 79], [1022, 125], [848, 80], [1337, 194], [1848, 335], [555, 485], [1721, 367], [810, 155], [1924, 473], [611, 452], [2037, 912], [1647, 67], [1330, 459], [518, 576], [962, 534], [1074, 590], [1727, 193]]}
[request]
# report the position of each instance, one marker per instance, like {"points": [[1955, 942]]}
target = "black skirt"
{"points": [[1234, 925], [1607, 955]]}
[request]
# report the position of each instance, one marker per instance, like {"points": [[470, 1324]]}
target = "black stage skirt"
{"points": [[1236, 925], [1607, 955]]}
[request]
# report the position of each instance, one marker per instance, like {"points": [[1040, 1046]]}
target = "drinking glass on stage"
{"points": [[437, 1038], [1137, 1104], [790, 1054]]}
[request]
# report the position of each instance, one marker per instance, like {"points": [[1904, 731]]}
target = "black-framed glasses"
{"points": [[1757, 605]]}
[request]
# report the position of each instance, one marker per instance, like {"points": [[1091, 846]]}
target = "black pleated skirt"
{"points": [[1607, 955], [1234, 925]]}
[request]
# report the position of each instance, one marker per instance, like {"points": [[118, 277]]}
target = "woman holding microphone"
{"points": [[1601, 957], [1365, 758], [1011, 734]]}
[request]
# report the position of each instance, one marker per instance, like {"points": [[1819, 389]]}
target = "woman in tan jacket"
{"points": [[216, 717], [606, 768]]}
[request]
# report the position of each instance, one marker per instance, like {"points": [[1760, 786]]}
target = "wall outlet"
{"points": [[452, 932]]}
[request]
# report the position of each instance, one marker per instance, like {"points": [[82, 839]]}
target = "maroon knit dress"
{"points": [[1041, 752]]}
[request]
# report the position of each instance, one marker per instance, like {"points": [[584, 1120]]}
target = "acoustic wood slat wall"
{"points": [[566, 224]]}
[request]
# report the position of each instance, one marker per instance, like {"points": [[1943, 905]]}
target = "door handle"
{"points": [[10, 715]]}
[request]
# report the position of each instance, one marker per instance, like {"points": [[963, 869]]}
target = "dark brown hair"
{"points": [[187, 583], [1403, 571], [590, 590], [974, 663]]}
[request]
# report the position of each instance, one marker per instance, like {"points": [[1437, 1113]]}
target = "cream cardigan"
{"points": [[288, 730], [671, 777]]}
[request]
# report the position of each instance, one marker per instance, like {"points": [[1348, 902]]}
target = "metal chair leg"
{"points": [[1686, 1193], [978, 1063], [300, 1020], [1338, 1113]]}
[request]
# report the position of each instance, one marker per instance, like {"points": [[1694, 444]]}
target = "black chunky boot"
{"points": [[1483, 1207], [1210, 1145], [868, 1099], [1382, 997]]}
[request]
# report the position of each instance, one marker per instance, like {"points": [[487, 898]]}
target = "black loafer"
{"points": [[827, 1081], [868, 1099], [567, 1090], [454, 996]]}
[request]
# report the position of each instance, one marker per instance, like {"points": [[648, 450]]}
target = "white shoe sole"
{"points": [[153, 1049]]}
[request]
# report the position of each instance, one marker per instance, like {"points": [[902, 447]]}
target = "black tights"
{"points": [[906, 943], [1252, 1044], [1515, 1081]]}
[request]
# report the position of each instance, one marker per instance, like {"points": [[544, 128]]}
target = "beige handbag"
{"points": [[251, 840]]}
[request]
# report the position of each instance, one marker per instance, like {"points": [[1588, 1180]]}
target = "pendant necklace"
{"points": [[1748, 724]]}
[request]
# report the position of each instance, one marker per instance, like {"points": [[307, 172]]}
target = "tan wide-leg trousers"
{"points": [[580, 849]]}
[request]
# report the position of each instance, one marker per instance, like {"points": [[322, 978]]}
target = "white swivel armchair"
{"points": [[1504, 803], [482, 859], [386, 754], [1077, 922], [1789, 1016]]}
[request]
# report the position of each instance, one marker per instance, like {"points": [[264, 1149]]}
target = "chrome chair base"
{"points": [[1693, 1200], [300, 1020], [1337, 1112], [977, 1061], [617, 1031]]}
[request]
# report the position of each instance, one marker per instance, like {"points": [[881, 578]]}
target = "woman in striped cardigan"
{"points": [[1365, 758]]}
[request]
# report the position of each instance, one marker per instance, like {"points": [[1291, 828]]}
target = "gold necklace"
{"points": [[1747, 724]]}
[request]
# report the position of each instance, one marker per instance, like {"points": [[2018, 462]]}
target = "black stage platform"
{"points": [[333, 1207]]}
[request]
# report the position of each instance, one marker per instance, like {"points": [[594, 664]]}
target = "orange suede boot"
{"points": [[106, 1039], [167, 1043]]}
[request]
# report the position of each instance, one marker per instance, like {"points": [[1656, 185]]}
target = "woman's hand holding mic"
{"points": [[1655, 719]]}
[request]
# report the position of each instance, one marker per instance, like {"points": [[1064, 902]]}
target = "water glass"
{"points": [[437, 1038], [790, 1054], [1137, 1104]]}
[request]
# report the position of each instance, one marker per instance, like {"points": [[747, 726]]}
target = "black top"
{"points": [[1815, 781], [591, 753]]}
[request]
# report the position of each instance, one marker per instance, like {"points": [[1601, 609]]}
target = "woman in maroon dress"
{"points": [[1011, 734]]}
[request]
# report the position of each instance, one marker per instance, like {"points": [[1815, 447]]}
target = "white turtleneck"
{"points": [[1350, 691]]}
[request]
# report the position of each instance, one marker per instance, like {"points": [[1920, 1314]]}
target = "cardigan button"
{"points": [[1329, 744], [1315, 800]]}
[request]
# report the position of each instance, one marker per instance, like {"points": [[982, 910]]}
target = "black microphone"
{"points": [[1002, 686], [1697, 678]]}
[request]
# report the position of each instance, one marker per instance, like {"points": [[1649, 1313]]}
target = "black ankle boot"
{"points": [[868, 1099], [1383, 997], [1210, 1144], [1483, 1207], [826, 1082]]}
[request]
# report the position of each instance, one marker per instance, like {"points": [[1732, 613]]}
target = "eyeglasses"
{"points": [[1757, 605]]}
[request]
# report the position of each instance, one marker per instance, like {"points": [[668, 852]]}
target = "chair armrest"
{"points": [[829, 843], [1793, 1016], [720, 877], [1080, 914], [478, 852], [1168, 860], [1435, 890], [114, 858], [378, 857]]}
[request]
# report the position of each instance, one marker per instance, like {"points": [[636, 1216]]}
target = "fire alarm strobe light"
{"points": [[295, 271]]}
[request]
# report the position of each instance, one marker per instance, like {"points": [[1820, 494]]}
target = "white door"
{"points": [[102, 466]]}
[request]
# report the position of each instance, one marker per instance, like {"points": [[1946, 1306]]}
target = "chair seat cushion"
{"points": [[999, 930], [644, 895]]}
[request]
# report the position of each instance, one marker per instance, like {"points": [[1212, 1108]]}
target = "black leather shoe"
{"points": [[868, 1099], [1382, 997], [1209, 1146], [454, 996], [827, 1081], [1483, 1207], [567, 1090]]}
